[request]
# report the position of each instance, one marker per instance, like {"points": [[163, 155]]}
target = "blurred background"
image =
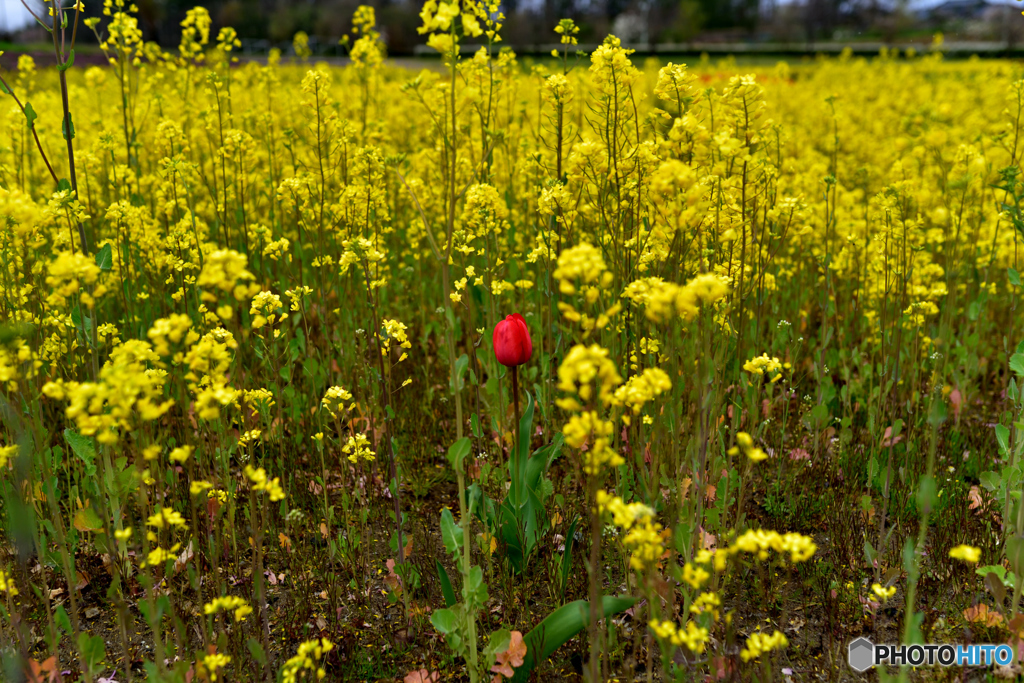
{"points": [[648, 25]]}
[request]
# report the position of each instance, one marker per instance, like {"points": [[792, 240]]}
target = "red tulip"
{"points": [[512, 343]]}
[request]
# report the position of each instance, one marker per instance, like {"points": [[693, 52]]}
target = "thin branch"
{"points": [[39, 145]]}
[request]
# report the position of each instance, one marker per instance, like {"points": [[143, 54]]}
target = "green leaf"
{"points": [[926, 494], [520, 456], [68, 64], [83, 448], [92, 651], [1017, 364], [83, 323], [990, 480], [444, 620], [1013, 276], [997, 569], [460, 369], [475, 590], [561, 625], [474, 422], [67, 127], [541, 461], [105, 257], [451, 532], [63, 620], [937, 413], [870, 554], [570, 539], [63, 185], [256, 650], [1003, 437], [458, 451], [446, 585], [86, 519], [3, 88], [31, 115], [498, 643]]}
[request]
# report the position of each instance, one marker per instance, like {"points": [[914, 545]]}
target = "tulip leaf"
{"points": [[559, 627], [446, 585], [570, 538]]}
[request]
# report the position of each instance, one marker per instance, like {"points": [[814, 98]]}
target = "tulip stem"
{"points": [[515, 427]]}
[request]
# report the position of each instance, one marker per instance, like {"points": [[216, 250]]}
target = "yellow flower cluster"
{"points": [[7, 584], [663, 299], [306, 659], [260, 401], [881, 592], [180, 454], [166, 518], [228, 603], [589, 373], [590, 430], [334, 400], [757, 542], [7, 453], [745, 443], [584, 264], [128, 390], [260, 482], [760, 643], [358, 449], [67, 273], [643, 536], [264, 309], [226, 270], [641, 389], [692, 637], [763, 365], [395, 331], [966, 553], [213, 662]]}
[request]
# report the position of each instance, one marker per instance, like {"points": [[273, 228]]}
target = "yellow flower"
{"points": [[881, 593], [228, 603], [760, 643], [966, 553]]}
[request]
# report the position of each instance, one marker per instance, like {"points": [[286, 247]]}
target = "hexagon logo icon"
{"points": [[861, 655]]}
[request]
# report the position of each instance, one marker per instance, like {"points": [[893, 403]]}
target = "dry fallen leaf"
{"points": [[422, 676], [980, 614], [45, 672], [510, 658]]}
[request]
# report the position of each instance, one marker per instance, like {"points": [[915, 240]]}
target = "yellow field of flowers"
{"points": [[590, 367]]}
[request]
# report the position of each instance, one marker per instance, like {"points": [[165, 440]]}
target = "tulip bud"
{"points": [[512, 343]]}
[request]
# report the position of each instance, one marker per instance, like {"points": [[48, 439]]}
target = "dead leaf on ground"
{"points": [[980, 614], [510, 658], [422, 676], [45, 672]]}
